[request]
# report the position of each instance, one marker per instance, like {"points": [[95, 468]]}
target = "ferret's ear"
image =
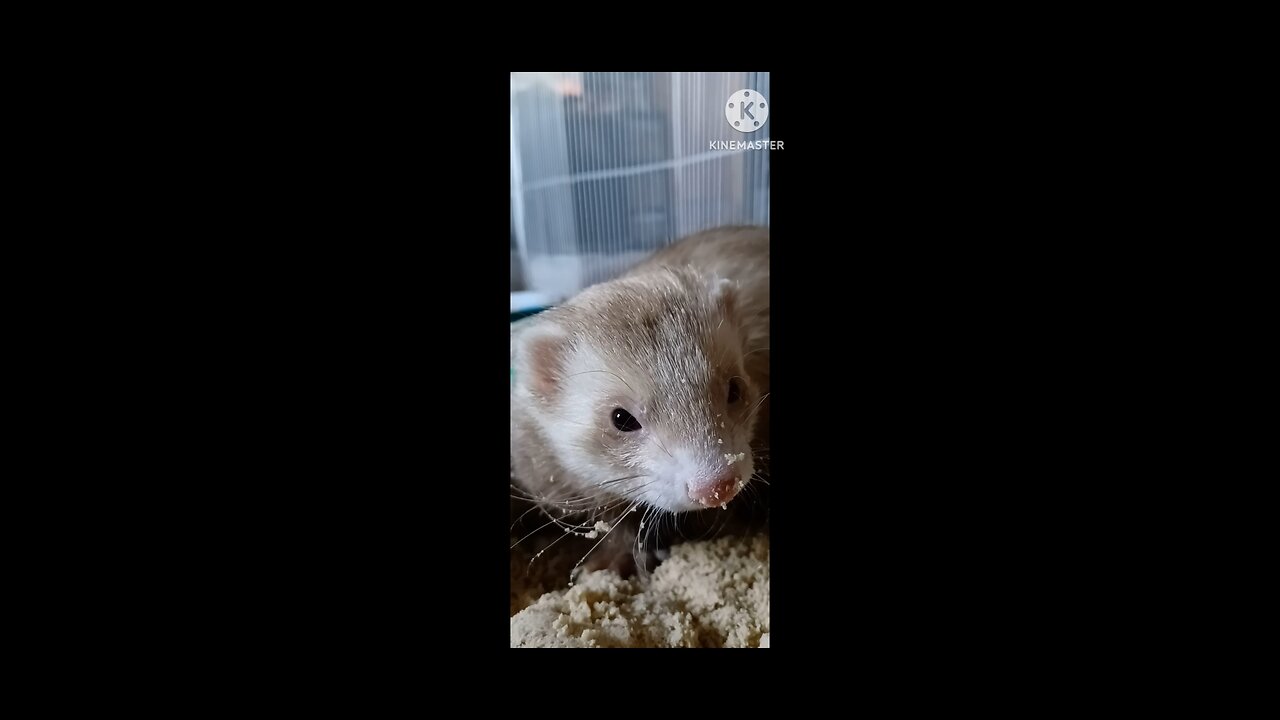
{"points": [[539, 354], [724, 292]]}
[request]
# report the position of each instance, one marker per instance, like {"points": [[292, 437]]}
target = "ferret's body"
{"points": [[644, 395]]}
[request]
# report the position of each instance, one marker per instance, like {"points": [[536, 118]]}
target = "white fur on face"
{"points": [[669, 367]]}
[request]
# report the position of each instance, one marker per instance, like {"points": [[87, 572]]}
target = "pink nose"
{"points": [[716, 490]]}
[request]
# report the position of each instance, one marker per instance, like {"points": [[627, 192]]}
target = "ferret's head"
{"points": [[640, 389]]}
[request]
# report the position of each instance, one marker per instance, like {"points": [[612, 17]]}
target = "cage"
{"points": [[608, 167]]}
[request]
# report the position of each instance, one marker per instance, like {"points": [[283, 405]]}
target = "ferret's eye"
{"points": [[624, 421], [735, 392]]}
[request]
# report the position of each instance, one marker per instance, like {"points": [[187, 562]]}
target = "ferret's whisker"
{"points": [[640, 535], [639, 551], [616, 525], [756, 407], [558, 522], [604, 509], [569, 506], [567, 533], [635, 490], [526, 512], [623, 479], [539, 553], [526, 537], [624, 382], [543, 499], [664, 447]]}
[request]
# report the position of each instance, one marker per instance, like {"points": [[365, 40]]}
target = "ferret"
{"points": [[646, 395]]}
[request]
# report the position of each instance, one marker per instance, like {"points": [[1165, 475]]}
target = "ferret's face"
{"points": [[652, 403]]}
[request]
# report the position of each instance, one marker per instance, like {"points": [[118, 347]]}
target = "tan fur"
{"points": [[738, 253], [663, 341]]}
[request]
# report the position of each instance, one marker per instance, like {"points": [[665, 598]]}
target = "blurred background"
{"points": [[607, 167]]}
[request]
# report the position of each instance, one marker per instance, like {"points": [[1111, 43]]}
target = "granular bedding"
{"points": [[711, 593]]}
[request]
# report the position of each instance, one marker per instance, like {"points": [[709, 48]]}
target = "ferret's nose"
{"points": [[715, 489]]}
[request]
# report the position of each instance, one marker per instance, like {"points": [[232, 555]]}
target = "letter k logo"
{"points": [[746, 111]]}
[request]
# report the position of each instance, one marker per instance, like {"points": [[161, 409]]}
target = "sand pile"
{"points": [[707, 594]]}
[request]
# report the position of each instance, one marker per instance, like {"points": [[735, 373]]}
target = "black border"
{"points": [[966, 349]]}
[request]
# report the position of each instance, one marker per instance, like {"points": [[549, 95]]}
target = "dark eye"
{"points": [[735, 392], [625, 421]]}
